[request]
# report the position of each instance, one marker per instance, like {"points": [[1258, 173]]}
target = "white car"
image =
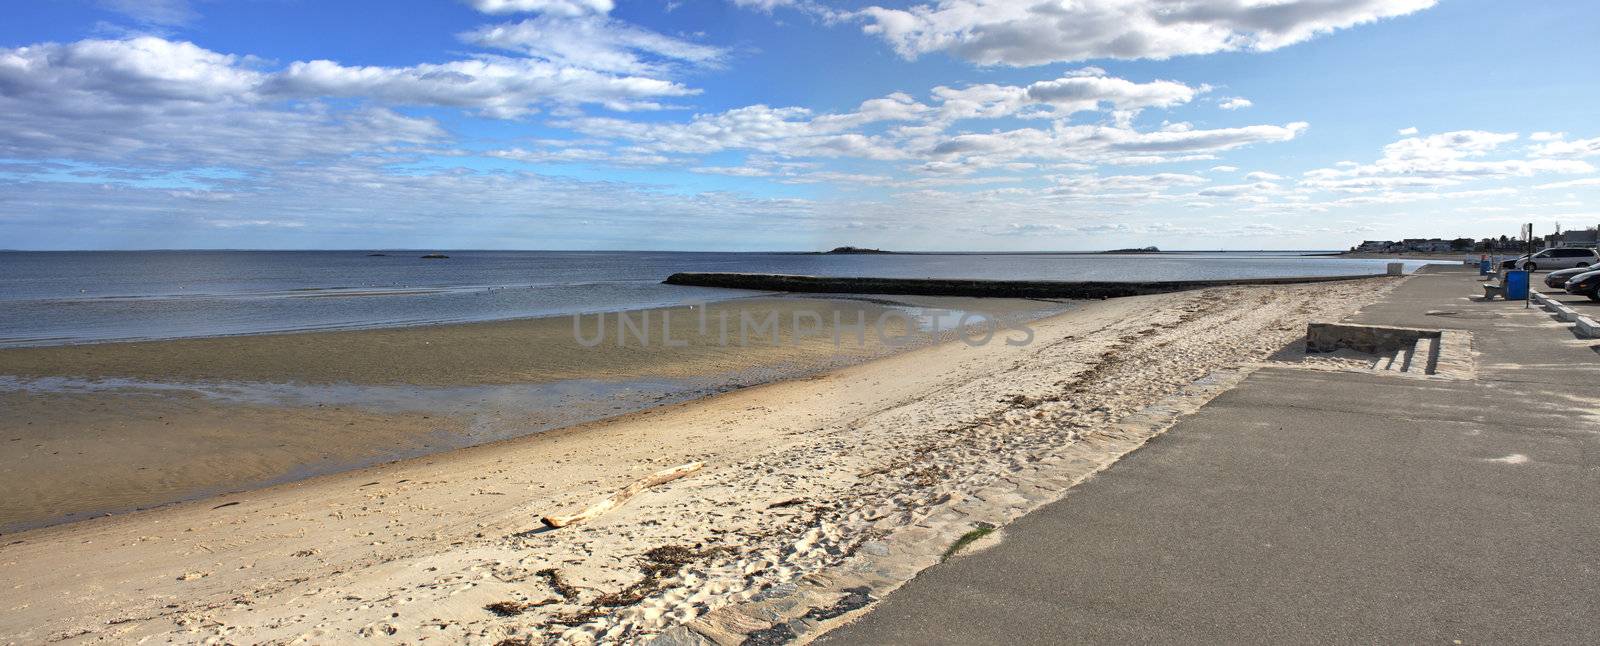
{"points": [[1558, 258]]}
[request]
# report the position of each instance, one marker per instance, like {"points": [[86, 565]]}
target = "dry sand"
{"points": [[799, 475]]}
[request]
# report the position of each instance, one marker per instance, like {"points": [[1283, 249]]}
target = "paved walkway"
{"points": [[1318, 507]]}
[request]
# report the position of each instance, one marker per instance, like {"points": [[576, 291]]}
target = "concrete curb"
{"points": [[1588, 328], [1585, 326], [1560, 309]]}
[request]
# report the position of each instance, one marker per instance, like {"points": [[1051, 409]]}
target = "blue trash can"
{"points": [[1484, 267], [1516, 285]]}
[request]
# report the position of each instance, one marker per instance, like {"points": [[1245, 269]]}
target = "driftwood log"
{"points": [[617, 499]]}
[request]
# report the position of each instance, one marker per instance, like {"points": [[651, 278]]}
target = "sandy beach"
{"points": [[448, 547]]}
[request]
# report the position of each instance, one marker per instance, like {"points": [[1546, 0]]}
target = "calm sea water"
{"points": [[77, 297]]}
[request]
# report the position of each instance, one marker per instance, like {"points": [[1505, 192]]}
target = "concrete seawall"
{"points": [[964, 287]]}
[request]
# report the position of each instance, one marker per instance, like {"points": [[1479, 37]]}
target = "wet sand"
{"points": [[97, 429], [498, 352]]}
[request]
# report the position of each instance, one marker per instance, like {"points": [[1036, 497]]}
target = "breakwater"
{"points": [[965, 287]]}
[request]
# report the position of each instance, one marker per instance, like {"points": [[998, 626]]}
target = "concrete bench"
{"points": [[1491, 290]]}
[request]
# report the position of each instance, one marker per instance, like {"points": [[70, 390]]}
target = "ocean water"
{"points": [[49, 298]]}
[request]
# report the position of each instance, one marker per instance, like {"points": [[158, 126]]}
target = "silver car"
{"points": [[1558, 258]]}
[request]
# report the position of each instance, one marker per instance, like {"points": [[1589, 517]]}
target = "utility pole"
{"points": [[1527, 236]]}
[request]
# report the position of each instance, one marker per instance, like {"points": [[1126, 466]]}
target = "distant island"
{"points": [[434, 256], [1138, 250], [843, 250]]}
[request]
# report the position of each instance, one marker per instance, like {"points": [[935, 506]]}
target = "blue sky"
{"points": [[793, 124]]}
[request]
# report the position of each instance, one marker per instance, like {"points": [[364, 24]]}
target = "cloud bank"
{"points": [[1036, 32]]}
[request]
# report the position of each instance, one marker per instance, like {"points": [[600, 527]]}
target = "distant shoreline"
{"points": [[1416, 255]]}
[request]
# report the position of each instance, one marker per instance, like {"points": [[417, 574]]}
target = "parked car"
{"points": [[1586, 284], [1555, 258], [1558, 279]]}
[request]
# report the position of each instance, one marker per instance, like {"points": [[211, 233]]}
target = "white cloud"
{"points": [[1555, 144], [1234, 103], [1123, 188], [593, 43], [1079, 91], [1571, 183], [1256, 190], [546, 156], [1261, 176], [790, 132], [145, 71], [497, 86], [1406, 132], [1036, 32], [921, 133], [732, 171], [94, 90], [566, 61], [171, 104], [1225, 169], [1438, 160], [568, 8], [967, 152], [151, 103], [161, 13], [765, 5]]}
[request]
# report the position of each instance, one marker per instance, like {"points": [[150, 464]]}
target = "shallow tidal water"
{"points": [[49, 298]]}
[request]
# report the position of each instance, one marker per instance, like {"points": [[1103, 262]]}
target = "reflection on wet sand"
{"points": [[106, 428]]}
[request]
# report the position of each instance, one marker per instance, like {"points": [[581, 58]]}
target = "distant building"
{"points": [[1422, 244], [1374, 245], [1583, 238]]}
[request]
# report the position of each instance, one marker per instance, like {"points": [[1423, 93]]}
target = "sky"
{"points": [[746, 125]]}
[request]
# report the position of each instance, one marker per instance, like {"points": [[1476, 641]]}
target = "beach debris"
{"points": [[226, 504], [660, 565], [781, 633], [552, 576], [983, 529], [853, 599], [786, 503], [514, 608], [617, 499], [774, 635]]}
